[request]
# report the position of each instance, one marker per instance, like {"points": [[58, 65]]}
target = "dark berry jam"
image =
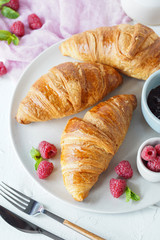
{"points": [[153, 101]]}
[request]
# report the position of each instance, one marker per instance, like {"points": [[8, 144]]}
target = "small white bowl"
{"points": [[152, 82], [143, 11], [143, 170]]}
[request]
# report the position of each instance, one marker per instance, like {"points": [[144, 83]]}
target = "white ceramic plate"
{"points": [[26, 136]]}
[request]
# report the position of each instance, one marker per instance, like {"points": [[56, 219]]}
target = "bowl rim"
{"points": [[139, 159], [144, 97]]}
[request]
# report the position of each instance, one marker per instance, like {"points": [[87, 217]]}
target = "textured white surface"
{"points": [[143, 224]]}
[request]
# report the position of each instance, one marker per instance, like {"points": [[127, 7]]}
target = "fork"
{"points": [[32, 207]]}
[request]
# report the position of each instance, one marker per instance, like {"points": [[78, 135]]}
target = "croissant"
{"points": [[133, 49], [67, 89], [89, 144]]}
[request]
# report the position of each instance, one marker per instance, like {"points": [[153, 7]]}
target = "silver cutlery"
{"points": [[32, 207], [23, 225]]}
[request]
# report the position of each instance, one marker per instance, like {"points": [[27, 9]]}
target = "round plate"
{"points": [[25, 136]]}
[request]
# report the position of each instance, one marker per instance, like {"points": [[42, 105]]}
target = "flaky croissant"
{"points": [[133, 49], [89, 144], [67, 89]]}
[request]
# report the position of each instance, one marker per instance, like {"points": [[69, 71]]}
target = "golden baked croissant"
{"points": [[133, 49], [67, 89], [89, 144]]}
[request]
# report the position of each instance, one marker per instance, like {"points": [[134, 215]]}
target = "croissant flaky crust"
{"points": [[67, 89], [133, 49], [89, 144]]}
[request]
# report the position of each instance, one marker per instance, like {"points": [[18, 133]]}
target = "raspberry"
{"points": [[148, 153], [117, 187], [18, 28], [3, 69], [158, 157], [154, 165], [14, 4], [47, 150], [157, 147], [45, 168], [34, 21], [123, 169]]}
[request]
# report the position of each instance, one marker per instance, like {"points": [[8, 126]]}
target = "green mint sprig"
{"points": [[131, 195], [35, 154], [2, 2], [9, 37], [7, 11]]}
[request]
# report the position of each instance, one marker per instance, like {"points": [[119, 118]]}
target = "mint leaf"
{"points": [[15, 39], [35, 154], [9, 40], [135, 197], [4, 2], [4, 35], [9, 37], [9, 12], [131, 195], [37, 163], [128, 194]]}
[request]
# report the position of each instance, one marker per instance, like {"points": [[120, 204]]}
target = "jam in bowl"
{"points": [[150, 101], [153, 101]]}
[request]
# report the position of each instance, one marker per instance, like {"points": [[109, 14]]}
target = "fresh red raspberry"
{"points": [[158, 157], [157, 147], [45, 168], [18, 28], [148, 153], [117, 187], [47, 150], [123, 169], [3, 69], [34, 21], [14, 4], [154, 165]]}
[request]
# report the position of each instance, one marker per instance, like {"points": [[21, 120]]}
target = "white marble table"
{"points": [[143, 224]]}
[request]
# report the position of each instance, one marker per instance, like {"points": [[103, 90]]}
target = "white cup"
{"points": [[143, 11]]}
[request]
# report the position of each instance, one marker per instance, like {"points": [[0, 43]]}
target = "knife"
{"points": [[24, 225]]}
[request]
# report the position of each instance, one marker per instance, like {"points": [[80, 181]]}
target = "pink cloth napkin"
{"points": [[60, 19]]}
